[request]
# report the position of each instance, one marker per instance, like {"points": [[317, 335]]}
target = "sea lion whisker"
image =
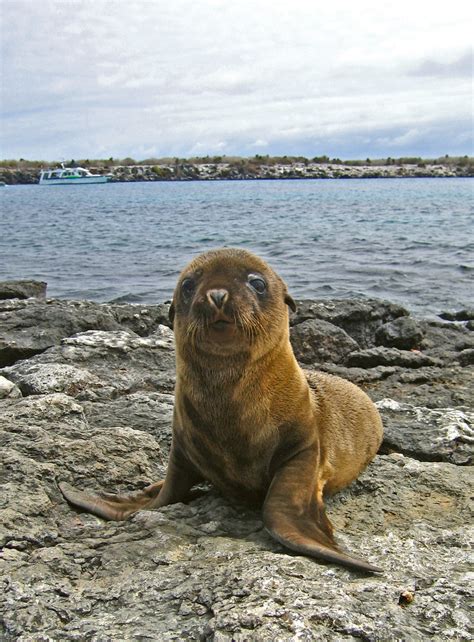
{"points": [[193, 331], [251, 325], [243, 323]]}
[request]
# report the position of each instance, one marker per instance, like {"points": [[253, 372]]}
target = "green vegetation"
{"points": [[250, 162]]}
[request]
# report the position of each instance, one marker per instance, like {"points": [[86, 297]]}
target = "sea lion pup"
{"points": [[246, 417]]}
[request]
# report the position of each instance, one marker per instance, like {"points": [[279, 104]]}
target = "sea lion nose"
{"points": [[217, 297]]}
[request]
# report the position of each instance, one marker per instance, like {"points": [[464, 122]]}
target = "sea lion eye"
{"points": [[188, 286], [257, 284]]}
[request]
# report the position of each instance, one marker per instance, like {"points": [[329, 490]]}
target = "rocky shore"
{"points": [[186, 171], [86, 396]]}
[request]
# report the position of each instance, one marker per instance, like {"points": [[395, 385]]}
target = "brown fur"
{"points": [[247, 418]]}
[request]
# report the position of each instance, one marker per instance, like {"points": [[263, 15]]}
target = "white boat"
{"points": [[71, 176]]}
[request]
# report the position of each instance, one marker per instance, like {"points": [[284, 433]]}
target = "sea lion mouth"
{"points": [[230, 329], [221, 324]]}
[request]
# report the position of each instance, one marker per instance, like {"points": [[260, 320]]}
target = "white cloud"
{"points": [[83, 77], [259, 143]]}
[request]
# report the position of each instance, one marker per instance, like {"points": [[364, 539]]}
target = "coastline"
{"points": [[187, 171]]}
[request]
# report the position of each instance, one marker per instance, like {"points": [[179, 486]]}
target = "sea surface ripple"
{"points": [[407, 240]]}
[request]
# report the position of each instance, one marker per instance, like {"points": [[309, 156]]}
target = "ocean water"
{"points": [[407, 240]]}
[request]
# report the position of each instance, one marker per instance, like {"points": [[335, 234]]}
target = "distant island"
{"points": [[23, 172]]}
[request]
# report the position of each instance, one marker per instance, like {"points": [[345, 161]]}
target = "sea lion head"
{"points": [[229, 302]]}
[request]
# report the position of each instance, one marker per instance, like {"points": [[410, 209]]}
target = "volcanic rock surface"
{"points": [[86, 396]]}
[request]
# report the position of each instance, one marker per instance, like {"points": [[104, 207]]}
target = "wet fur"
{"points": [[247, 418]]}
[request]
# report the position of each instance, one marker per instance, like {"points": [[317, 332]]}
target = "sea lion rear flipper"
{"points": [[296, 517]]}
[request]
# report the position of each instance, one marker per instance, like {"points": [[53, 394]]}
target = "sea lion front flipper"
{"points": [[180, 477], [108, 505], [294, 514]]}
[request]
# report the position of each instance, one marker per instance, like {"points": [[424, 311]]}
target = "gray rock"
{"points": [[39, 378], [37, 431], [8, 389], [466, 343], [444, 434], [381, 356], [32, 326], [431, 386], [141, 319], [403, 333], [29, 327], [151, 412], [208, 570], [466, 357], [442, 340], [22, 289], [361, 376], [360, 318], [100, 365], [460, 315], [316, 341]]}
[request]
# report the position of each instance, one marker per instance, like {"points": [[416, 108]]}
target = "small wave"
{"points": [[129, 297], [418, 245], [465, 268]]}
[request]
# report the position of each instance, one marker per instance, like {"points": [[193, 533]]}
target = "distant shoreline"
{"points": [[251, 170]]}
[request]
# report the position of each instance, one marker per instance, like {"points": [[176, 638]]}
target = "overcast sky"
{"points": [[101, 78]]}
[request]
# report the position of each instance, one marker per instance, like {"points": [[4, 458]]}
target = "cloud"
{"points": [[259, 143], [203, 149], [461, 67], [119, 78]]}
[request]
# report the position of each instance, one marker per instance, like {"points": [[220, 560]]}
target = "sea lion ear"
{"points": [[171, 313], [290, 302]]}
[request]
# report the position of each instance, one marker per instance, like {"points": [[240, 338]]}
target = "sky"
{"points": [[181, 78]]}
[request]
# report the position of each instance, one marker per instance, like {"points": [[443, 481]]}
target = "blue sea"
{"points": [[407, 240]]}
